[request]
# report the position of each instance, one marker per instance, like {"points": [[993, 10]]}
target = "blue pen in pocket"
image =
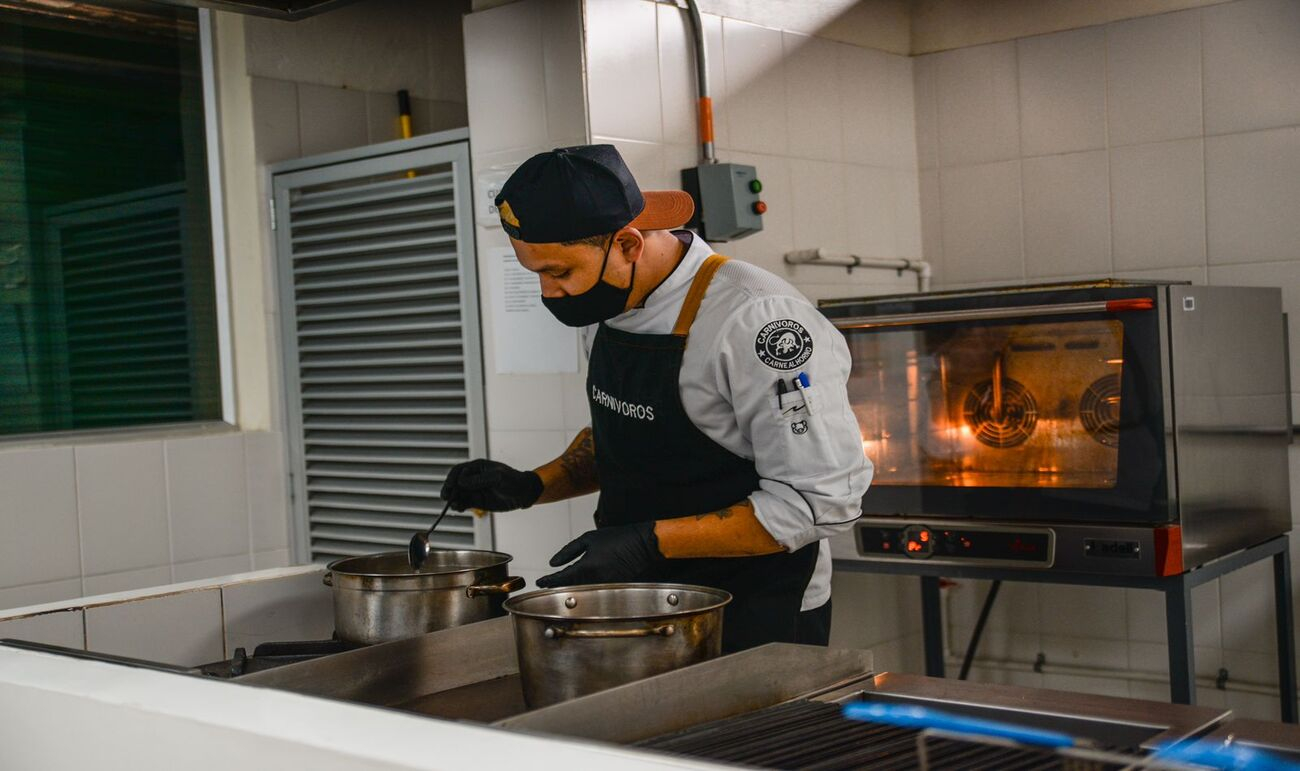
{"points": [[804, 384]]}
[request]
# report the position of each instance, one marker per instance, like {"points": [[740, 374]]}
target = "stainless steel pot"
{"points": [[578, 640], [378, 598]]}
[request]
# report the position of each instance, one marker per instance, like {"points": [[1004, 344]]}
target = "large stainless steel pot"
{"points": [[578, 640], [378, 598]]}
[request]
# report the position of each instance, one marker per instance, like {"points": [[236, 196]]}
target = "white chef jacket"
{"points": [[812, 469]]}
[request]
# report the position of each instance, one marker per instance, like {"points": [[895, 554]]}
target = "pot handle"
{"points": [[327, 579], [555, 632], [511, 584]]}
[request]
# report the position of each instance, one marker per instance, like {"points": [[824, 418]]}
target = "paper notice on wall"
{"points": [[528, 338]]}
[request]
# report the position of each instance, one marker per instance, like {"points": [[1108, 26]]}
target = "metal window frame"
{"points": [[220, 279], [444, 147], [217, 213]]}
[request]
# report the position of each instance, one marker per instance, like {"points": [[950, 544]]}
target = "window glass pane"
{"points": [[107, 311]]}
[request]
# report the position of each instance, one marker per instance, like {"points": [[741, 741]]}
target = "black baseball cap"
{"points": [[575, 192]]}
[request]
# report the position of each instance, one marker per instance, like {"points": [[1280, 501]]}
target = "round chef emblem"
{"points": [[783, 344]]}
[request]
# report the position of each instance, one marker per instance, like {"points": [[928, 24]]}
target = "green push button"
{"points": [[755, 186]]}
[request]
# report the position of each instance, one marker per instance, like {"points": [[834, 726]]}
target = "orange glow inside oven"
{"points": [[1019, 405]]}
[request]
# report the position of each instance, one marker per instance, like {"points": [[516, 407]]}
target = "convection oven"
{"points": [[1110, 427]]}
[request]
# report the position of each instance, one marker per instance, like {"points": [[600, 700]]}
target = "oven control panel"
{"points": [[956, 543]]}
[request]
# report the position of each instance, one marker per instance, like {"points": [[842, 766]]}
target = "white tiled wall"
{"points": [[294, 120], [1164, 142], [187, 624], [332, 83], [117, 515], [828, 125], [1165, 147]]}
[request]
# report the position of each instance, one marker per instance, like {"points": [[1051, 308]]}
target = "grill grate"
{"points": [[814, 736]]}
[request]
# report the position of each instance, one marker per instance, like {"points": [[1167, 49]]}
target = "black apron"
{"points": [[653, 463]]}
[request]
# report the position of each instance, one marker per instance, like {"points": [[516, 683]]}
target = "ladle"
{"points": [[419, 549]]}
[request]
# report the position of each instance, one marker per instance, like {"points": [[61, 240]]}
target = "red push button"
{"points": [[760, 207]]}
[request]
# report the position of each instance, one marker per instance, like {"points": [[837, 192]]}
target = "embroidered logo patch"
{"points": [[799, 427], [783, 344]]}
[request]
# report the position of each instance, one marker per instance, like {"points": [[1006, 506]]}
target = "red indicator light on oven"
{"points": [[965, 543], [886, 545], [1133, 304]]}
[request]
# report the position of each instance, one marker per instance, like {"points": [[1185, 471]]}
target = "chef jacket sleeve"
{"points": [[809, 458]]}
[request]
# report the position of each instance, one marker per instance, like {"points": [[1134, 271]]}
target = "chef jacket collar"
{"points": [[681, 276]]}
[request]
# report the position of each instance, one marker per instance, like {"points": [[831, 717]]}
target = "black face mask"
{"points": [[603, 301]]}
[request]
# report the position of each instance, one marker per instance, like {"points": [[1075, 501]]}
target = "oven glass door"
{"points": [[1049, 416]]}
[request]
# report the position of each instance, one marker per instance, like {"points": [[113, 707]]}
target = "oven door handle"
{"points": [[976, 314]]}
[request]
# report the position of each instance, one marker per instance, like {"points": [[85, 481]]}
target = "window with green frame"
{"points": [[107, 309]]}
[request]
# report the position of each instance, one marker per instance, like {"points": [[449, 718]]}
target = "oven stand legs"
{"points": [[1285, 634], [1178, 623], [932, 625], [1178, 609]]}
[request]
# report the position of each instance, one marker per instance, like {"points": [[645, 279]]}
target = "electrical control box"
{"points": [[728, 205]]}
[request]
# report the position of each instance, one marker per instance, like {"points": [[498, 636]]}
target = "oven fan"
{"points": [[1013, 426], [1099, 410]]}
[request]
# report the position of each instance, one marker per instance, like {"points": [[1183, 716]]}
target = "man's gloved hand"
{"points": [[489, 485], [609, 555]]}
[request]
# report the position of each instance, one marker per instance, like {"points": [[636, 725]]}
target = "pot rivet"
{"points": [[570, 602], [549, 633], [673, 599]]}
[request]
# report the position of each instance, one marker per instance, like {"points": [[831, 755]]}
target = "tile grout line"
{"points": [[81, 546], [248, 497], [221, 604], [546, 91], [659, 71], [1105, 140], [167, 498], [1205, 182], [1020, 163], [297, 103]]}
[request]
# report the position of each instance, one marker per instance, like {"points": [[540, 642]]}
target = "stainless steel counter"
{"points": [[470, 674]]}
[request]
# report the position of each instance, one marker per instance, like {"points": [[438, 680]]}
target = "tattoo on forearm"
{"points": [[722, 513], [579, 460]]}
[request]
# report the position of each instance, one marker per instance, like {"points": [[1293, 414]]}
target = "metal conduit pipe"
{"points": [[702, 84], [850, 261]]}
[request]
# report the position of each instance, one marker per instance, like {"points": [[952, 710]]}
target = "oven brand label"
{"points": [[783, 344]]}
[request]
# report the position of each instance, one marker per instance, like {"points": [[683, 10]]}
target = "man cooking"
{"points": [[721, 439]]}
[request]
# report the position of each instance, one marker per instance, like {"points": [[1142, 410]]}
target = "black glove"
{"points": [[487, 484], [609, 555]]}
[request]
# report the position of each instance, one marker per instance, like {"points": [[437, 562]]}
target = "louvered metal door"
{"points": [[134, 299], [383, 374]]}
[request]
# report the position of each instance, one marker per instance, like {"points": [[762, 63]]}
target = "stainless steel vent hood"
{"points": [[288, 10]]}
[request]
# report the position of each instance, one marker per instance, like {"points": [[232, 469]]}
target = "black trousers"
{"points": [[814, 626]]}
